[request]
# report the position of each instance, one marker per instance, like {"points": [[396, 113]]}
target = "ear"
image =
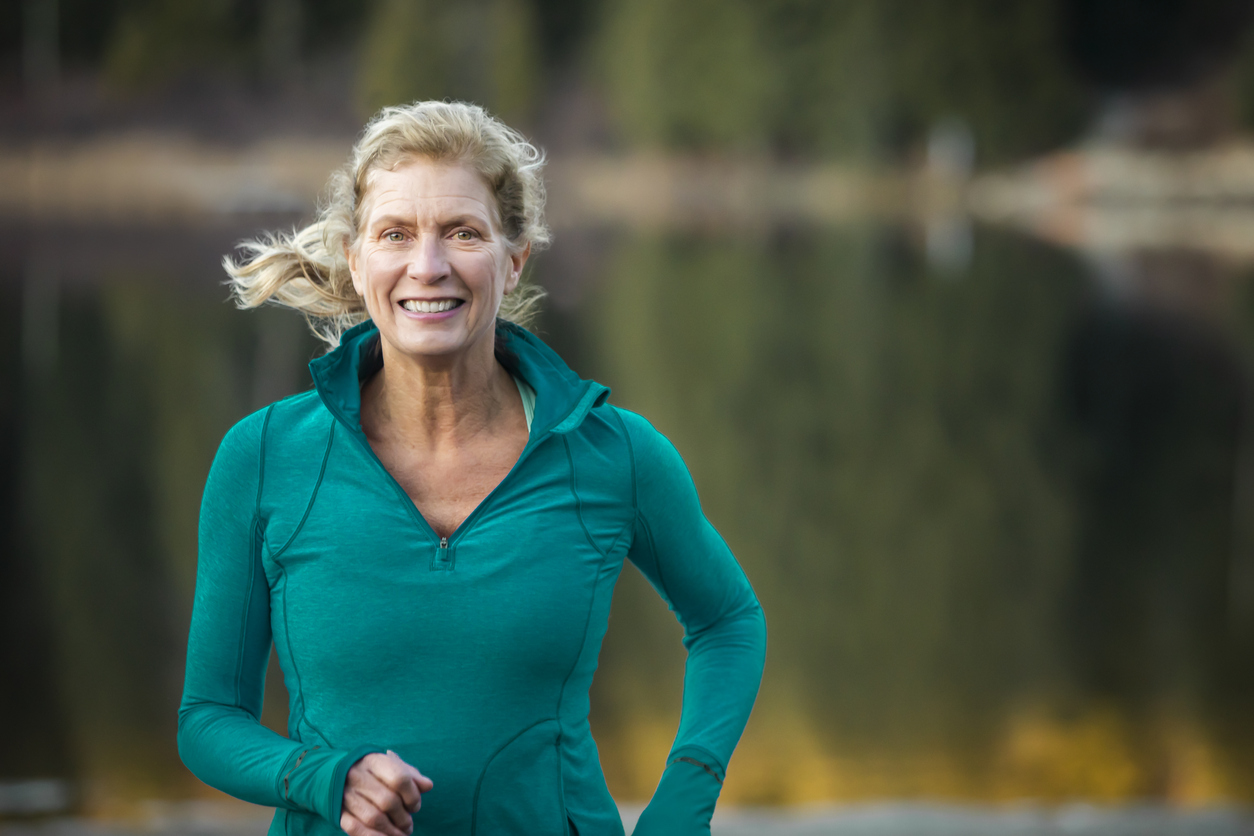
{"points": [[350, 253], [517, 261]]}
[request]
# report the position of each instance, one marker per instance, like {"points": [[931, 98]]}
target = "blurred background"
{"points": [[948, 305]]}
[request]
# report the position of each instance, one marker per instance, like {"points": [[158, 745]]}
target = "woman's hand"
{"points": [[381, 794]]}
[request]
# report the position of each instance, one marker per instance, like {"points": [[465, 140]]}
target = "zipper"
{"points": [[442, 559], [443, 554]]}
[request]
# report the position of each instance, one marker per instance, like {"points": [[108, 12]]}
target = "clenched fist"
{"points": [[381, 794]]}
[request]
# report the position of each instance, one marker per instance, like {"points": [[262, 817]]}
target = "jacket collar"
{"points": [[563, 399]]}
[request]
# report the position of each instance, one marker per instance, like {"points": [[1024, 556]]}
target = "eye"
{"points": [[394, 236], [465, 235]]}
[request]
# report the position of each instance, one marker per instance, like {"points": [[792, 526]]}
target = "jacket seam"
{"points": [[261, 458], [631, 456], [587, 622], [242, 650], [582, 407], [370, 456], [574, 492], [657, 564], [583, 642], [474, 804], [627, 526], [326, 456], [257, 531], [302, 715]]}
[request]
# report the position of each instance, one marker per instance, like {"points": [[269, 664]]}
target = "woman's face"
{"points": [[431, 261]]}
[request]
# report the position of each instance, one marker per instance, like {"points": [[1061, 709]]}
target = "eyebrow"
{"points": [[403, 220]]}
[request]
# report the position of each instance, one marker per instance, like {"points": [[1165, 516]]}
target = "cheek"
{"points": [[377, 270], [481, 270], [499, 268]]}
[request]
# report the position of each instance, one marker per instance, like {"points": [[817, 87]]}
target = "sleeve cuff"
{"points": [[313, 779], [685, 797]]}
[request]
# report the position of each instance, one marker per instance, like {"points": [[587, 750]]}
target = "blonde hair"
{"points": [[307, 269]]}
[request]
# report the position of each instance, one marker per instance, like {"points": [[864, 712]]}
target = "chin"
{"points": [[430, 344]]}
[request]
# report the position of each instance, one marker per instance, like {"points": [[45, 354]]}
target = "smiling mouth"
{"points": [[432, 306]]}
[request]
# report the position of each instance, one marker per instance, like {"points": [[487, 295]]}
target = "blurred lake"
{"points": [[948, 307], [995, 497]]}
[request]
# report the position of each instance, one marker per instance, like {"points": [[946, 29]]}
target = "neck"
{"points": [[438, 401]]}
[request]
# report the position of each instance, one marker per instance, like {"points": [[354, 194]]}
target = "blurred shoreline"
{"points": [[235, 818], [1098, 198], [144, 176]]}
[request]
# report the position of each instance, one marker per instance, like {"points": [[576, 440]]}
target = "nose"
{"points": [[428, 262]]}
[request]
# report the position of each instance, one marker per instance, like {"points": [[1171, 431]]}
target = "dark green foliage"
{"points": [[483, 51], [862, 77], [810, 78]]}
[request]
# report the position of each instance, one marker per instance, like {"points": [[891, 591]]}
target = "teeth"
{"points": [[419, 306]]}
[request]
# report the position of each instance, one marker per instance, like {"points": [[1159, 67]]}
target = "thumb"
{"points": [[424, 783]]}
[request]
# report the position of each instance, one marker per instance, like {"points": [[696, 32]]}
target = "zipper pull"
{"points": [[442, 559]]}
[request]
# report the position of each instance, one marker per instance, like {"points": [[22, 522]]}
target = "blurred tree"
{"points": [[692, 74], [834, 94], [863, 77], [149, 43], [280, 38], [85, 29], [483, 51], [155, 40], [41, 47], [997, 66], [563, 28]]}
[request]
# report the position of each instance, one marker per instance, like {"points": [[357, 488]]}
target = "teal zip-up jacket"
{"points": [[471, 657]]}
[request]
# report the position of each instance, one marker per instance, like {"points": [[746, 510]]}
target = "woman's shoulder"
{"points": [[649, 448], [294, 419]]}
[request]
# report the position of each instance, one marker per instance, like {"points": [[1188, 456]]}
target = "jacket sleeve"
{"points": [[220, 736], [690, 566]]}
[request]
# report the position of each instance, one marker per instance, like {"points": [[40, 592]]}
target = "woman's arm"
{"points": [[220, 735], [724, 631]]}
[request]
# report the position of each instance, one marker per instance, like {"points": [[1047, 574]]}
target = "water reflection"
{"points": [[116, 422], [994, 512], [990, 520]]}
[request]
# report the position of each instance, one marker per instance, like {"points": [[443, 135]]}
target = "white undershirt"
{"points": [[529, 400]]}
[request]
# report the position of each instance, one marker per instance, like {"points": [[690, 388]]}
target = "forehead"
{"points": [[425, 186]]}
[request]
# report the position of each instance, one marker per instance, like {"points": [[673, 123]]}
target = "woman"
{"points": [[431, 537]]}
